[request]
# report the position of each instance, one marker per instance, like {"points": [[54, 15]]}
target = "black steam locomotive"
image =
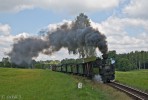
{"points": [[89, 67]]}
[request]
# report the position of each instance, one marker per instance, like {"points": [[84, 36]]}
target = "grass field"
{"points": [[35, 84], [137, 79]]}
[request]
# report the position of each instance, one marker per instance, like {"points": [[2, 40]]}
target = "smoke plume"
{"points": [[78, 37]]}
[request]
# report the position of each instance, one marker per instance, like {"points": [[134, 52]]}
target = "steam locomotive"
{"points": [[89, 67]]}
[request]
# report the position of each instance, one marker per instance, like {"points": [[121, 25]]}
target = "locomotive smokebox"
{"points": [[105, 56]]}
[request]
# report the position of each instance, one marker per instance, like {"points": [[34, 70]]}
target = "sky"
{"points": [[124, 22]]}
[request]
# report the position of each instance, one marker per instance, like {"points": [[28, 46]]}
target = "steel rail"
{"points": [[134, 93]]}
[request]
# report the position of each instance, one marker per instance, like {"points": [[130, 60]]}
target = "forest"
{"points": [[130, 61]]}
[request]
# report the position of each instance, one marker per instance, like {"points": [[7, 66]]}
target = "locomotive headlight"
{"points": [[112, 61]]}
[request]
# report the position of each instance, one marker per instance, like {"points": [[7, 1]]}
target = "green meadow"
{"points": [[39, 84], [137, 79]]}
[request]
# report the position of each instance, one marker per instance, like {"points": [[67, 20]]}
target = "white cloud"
{"points": [[118, 37], [5, 29], [137, 9], [71, 6], [62, 54], [5, 42], [14, 5], [5, 39], [24, 35], [53, 27]]}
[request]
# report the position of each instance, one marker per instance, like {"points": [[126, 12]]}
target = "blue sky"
{"points": [[30, 20], [33, 20], [124, 22]]}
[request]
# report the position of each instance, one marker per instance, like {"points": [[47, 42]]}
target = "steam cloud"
{"points": [[78, 37]]}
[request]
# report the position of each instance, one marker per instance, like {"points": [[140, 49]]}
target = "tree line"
{"points": [[130, 61], [35, 64], [123, 62]]}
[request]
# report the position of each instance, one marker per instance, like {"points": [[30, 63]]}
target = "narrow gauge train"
{"points": [[89, 67]]}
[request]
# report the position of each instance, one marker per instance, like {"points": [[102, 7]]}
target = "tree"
{"points": [[6, 62], [38, 65], [81, 21], [112, 54], [33, 63], [124, 64], [1, 64]]}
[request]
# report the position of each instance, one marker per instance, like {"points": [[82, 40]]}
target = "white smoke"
{"points": [[98, 78]]}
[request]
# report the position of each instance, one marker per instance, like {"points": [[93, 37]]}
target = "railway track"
{"points": [[134, 93]]}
